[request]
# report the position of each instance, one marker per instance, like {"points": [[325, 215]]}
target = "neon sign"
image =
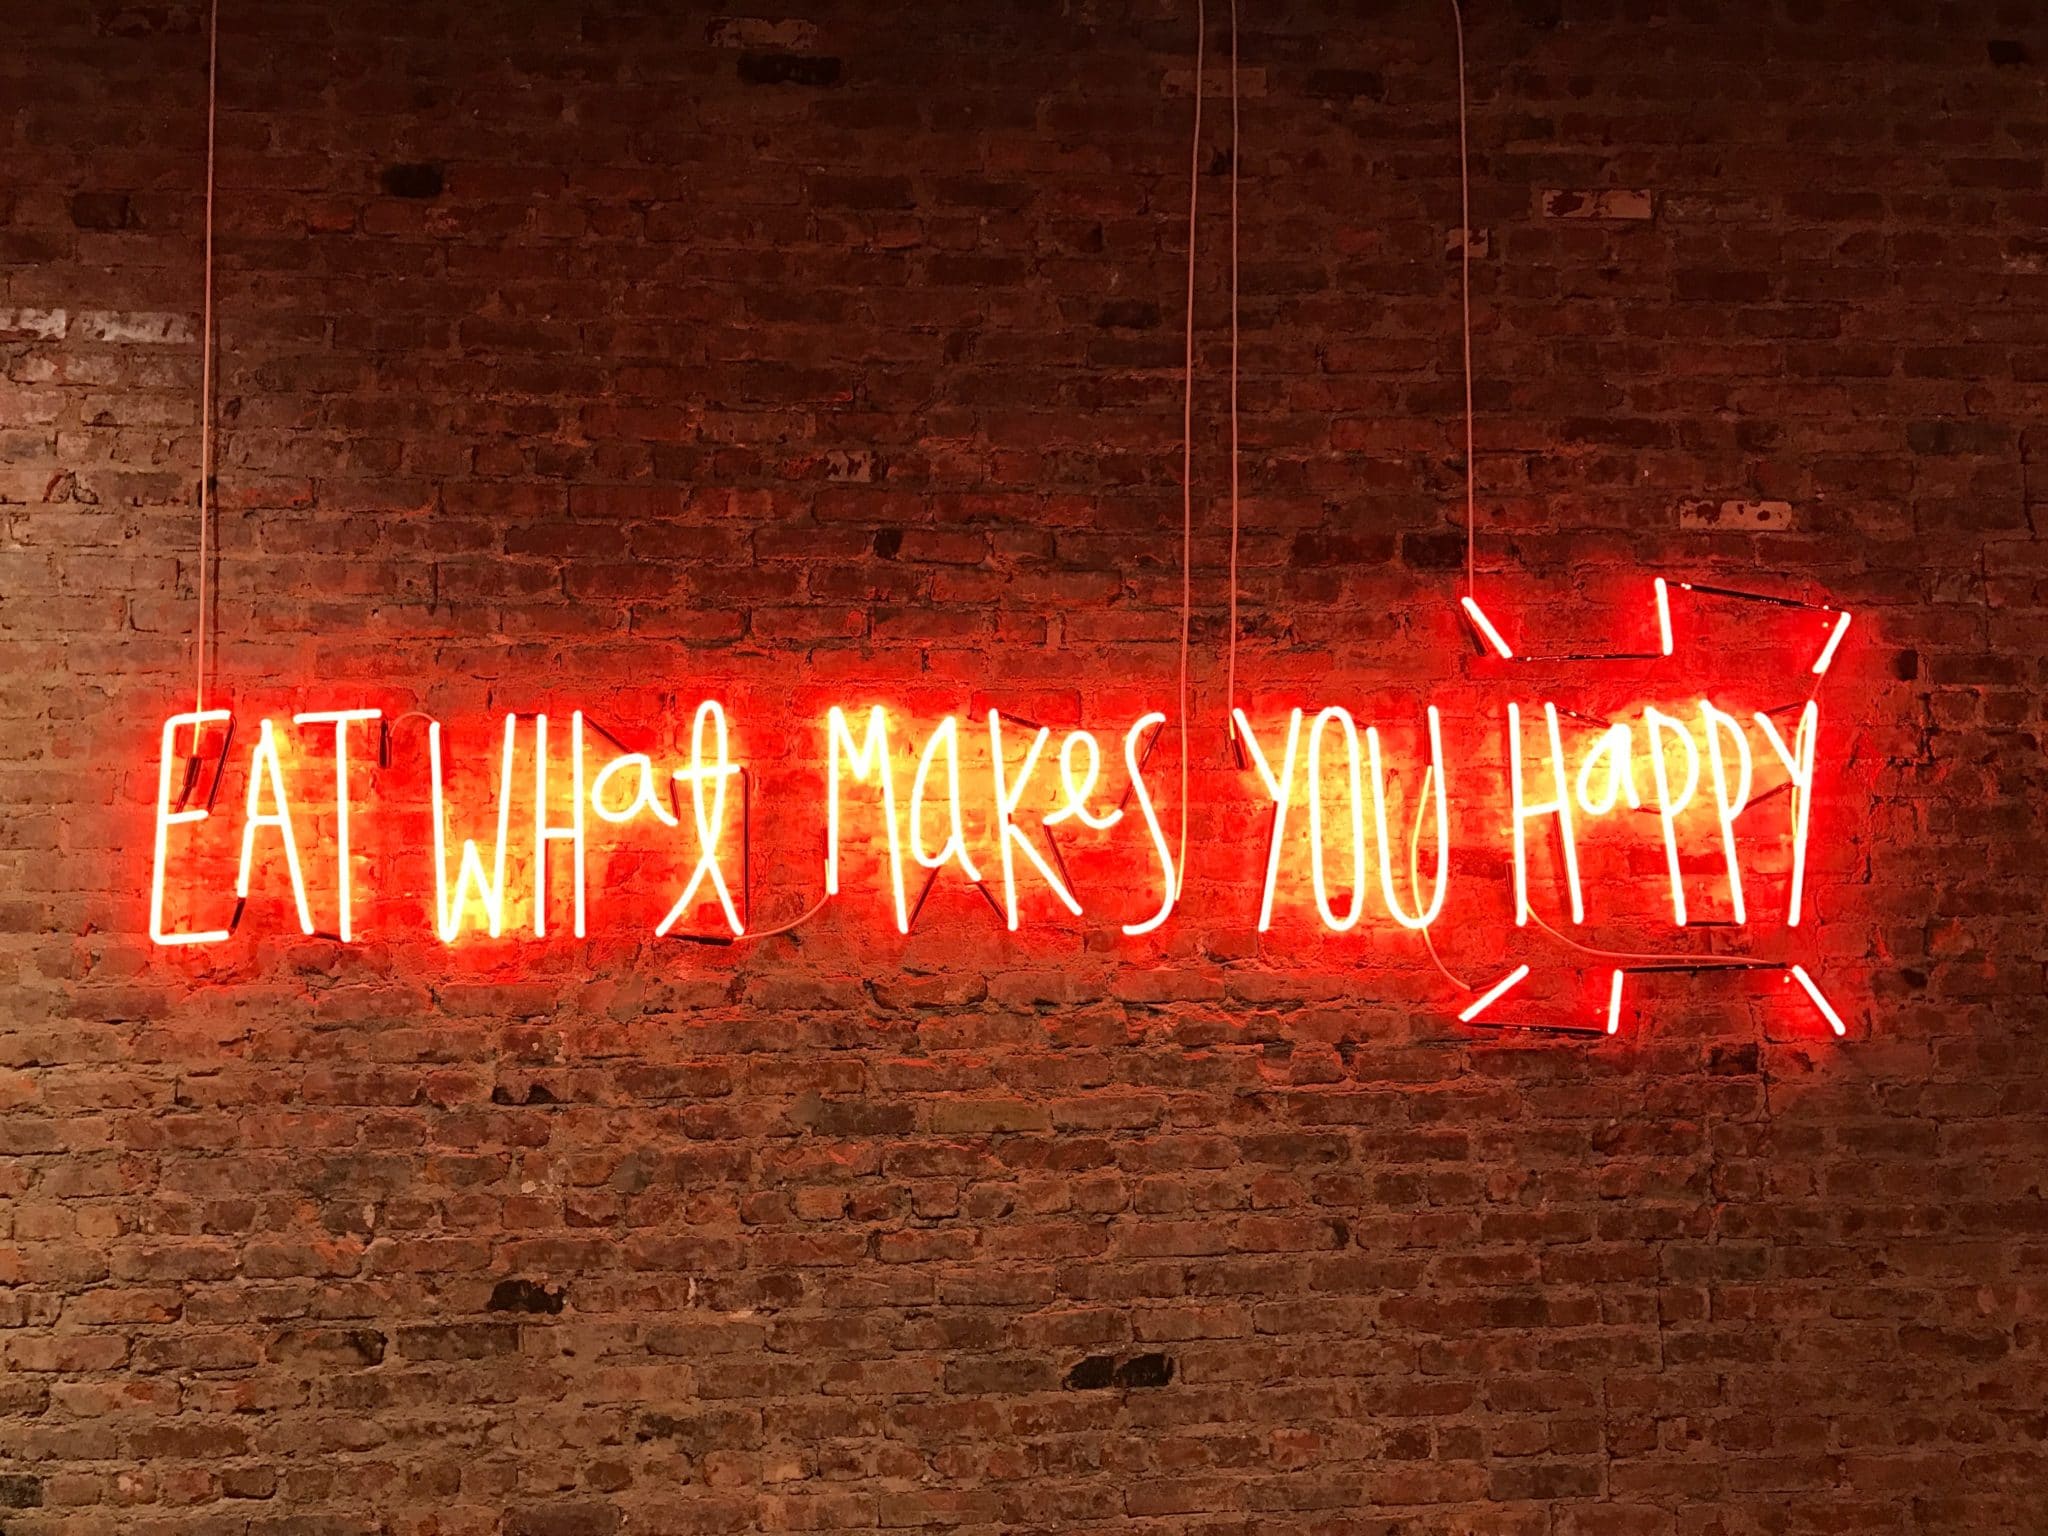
{"points": [[1345, 814]]}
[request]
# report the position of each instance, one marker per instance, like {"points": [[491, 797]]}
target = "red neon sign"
{"points": [[994, 813]]}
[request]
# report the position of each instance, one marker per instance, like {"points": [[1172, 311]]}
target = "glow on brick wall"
{"points": [[1540, 831]]}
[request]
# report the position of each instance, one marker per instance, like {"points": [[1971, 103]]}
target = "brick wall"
{"points": [[602, 353]]}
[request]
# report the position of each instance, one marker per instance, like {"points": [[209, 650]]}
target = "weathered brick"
{"points": [[610, 356]]}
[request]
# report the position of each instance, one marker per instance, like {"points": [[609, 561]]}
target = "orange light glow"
{"points": [[545, 833], [1827, 655], [1493, 994], [946, 736], [1075, 789], [644, 797], [1029, 811], [871, 756], [1614, 747], [1280, 788], [708, 778], [1728, 804], [1423, 916], [1009, 795], [490, 889], [1161, 849], [1798, 761], [1826, 1009], [1525, 810], [166, 818], [1655, 724], [266, 770], [1355, 799], [340, 719], [1484, 626]]}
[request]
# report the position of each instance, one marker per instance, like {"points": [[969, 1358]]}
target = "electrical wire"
{"points": [[794, 923], [1187, 464], [1701, 962], [1230, 680], [1625, 957], [1187, 453], [206, 377], [1465, 295]]}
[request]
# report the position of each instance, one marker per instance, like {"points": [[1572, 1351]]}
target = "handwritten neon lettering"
{"points": [[1721, 726], [266, 771], [1612, 747], [490, 888], [870, 756], [644, 797], [340, 719], [1423, 916], [1657, 724], [1010, 837], [1688, 763], [708, 778], [545, 832], [1614, 1002], [1161, 849], [1665, 645], [1798, 761], [1280, 788], [1526, 810], [1076, 788], [166, 818], [1355, 800], [943, 741]]}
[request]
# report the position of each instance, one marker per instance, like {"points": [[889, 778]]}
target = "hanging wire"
{"points": [[1187, 453], [1465, 294], [1230, 680], [1624, 958], [206, 378], [1465, 302]]}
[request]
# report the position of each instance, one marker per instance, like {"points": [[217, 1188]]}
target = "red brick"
{"points": [[578, 356]]}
